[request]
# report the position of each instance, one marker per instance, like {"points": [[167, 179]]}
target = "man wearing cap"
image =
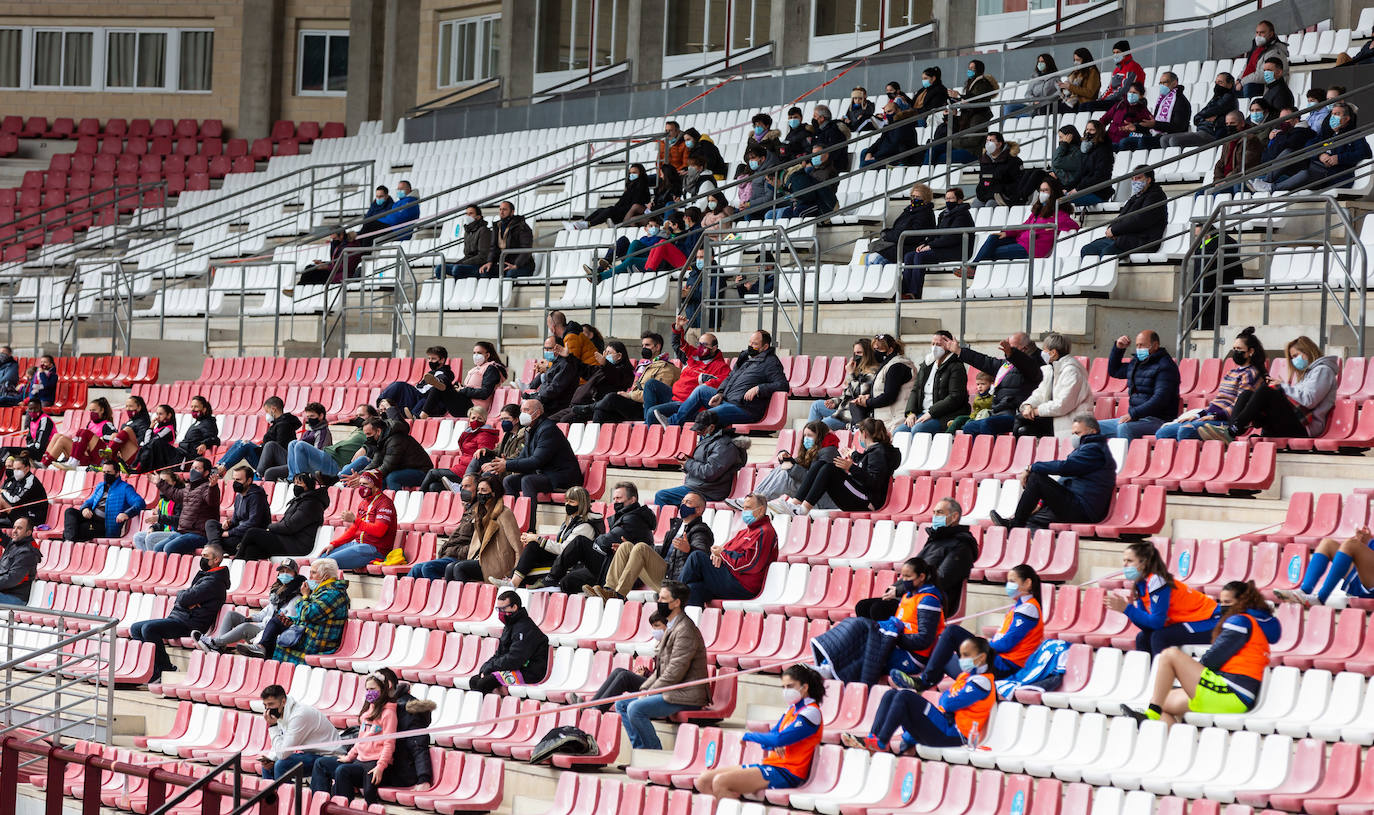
{"points": [[1126, 72], [371, 531]]}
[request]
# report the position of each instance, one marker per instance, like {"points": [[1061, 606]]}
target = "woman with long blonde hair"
{"points": [[1296, 406]]}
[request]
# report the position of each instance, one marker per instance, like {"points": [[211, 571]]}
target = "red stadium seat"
{"points": [[333, 130], [63, 128], [35, 127], [307, 132], [262, 149], [164, 128], [283, 130]]}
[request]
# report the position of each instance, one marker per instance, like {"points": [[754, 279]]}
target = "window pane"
{"points": [[870, 13], [119, 59], [11, 48], [467, 50], [445, 77], [686, 27], [494, 51], [606, 52], [553, 16], [152, 60], [338, 62], [312, 62], [47, 58], [763, 21], [833, 17], [581, 30], [902, 13], [197, 52], [76, 59]]}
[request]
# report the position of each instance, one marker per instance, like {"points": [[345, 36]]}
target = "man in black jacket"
{"points": [[650, 565], [19, 564], [1016, 377], [944, 248], [744, 395], [546, 465], [948, 394], [22, 489], [196, 608], [294, 534], [1083, 495], [556, 383], [510, 234], [1172, 113], [1139, 226], [584, 563], [400, 461], [950, 551], [281, 428], [251, 511], [522, 655]]}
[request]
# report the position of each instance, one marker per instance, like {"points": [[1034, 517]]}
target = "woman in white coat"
{"points": [[1063, 393]]}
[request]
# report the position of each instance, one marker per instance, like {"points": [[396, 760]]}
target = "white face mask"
{"points": [[267, 416], [1260, 39], [465, 219], [1042, 196], [791, 696], [478, 359], [938, 353], [525, 419], [656, 634]]}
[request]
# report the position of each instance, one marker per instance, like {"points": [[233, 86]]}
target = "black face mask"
{"points": [[356, 422], [1220, 90], [240, 487], [663, 608], [110, 478], [465, 496], [194, 477], [314, 424], [481, 498], [571, 509], [646, 353], [205, 564], [618, 506], [298, 490], [903, 587], [1238, 356], [434, 366], [506, 425]]}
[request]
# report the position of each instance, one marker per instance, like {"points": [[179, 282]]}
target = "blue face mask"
{"points": [[1132, 97], [1131, 573], [1142, 354], [1256, 116], [808, 442], [1334, 121], [758, 131], [753, 164], [634, 176], [1012, 589], [925, 83], [685, 511], [1299, 363], [794, 123], [966, 665], [1163, 90], [937, 522], [1268, 76], [691, 143], [816, 161], [748, 517], [283, 577], [1116, 58], [701, 264], [1137, 187], [548, 356], [970, 73], [312, 584], [651, 231], [860, 444]]}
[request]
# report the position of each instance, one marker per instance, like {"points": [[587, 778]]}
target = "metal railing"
{"points": [[400, 314]]}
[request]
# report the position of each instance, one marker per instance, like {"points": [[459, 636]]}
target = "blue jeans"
{"points": [[1135, 429], [697, 402], [1005, 248], [928, 426], [1184, 430], [11, 600], [1099, 247], [992, 425], [671, 497], [820, 413], [637, 716], [1089, 199], [148, 540], [431, 569], [180, 543], [403, 479], [352, 556], [278, 768], [357, 465], [655, 394], [245, 451], [306, 458]]}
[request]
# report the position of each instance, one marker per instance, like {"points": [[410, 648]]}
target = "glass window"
{"points": [[564, 35], [196, 60], [751, 23], [686, 27], [612, 18], [322, 63], [11, 56], [62, 59], [135, 59], [467, 50], [837, 17], [698, 26]]}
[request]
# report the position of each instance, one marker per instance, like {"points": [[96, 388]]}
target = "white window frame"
{"points": [[489, 21], [99, 42], [327, 33]]}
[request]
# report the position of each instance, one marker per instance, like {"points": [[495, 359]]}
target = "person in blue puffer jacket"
{"points": [[1336, 166], [1152, 381], [106, 512]]}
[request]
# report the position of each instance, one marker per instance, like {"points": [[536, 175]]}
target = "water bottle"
{"points": [[974, 737]]}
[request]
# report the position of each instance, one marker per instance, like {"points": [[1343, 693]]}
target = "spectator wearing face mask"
{"points": [[382, 203], [195, 608], [538, 553], [918, 215], [105, 511], [478, 435], [744, 395], [1083, 495], [1064, 392], [796, 137], [612, 374], [999, 172], [860, 370], [947, 246], [1017, 244], [1139, 224], [818, 446], [582, 563], [1152, 382], [256, 636], [522, 652], [856, 481], [1277, 95], [631, 202], [22, 495], [950, 551], [652, 370], [1171, 113], [303, 457], [642, 562], [203, 434], [1237, 156], [511, 444], [314, 432], [39, 385], [371, 531], [1015, 377], [495, 543], [1333, 167], [87, 446], [1083, 85], [940, 393], [322, 613], [679, 658], [1211, 117], [697, 181], [250, 511], [860, 649], [405, 210], [975, 110], [1296, 406], [294, 534], [1126, 72], [1040, 92], [399, 461], [454, 546], [1267, 46], [1097, 168], [38, 432], [711, 467], [472, 228], [558, 375], [898, 136], [703, 146], [858, 116], [1123, 119], [478, 387], [197, 502], [409, 397], [281, 430], [546, 465], [510, 235], [734, 570]]}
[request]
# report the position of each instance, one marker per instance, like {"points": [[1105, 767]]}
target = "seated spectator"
{"points": [[510, 235], [652, 374], [1139, 224], [306, 457], [999, 172], [409, 397], [1098, 161], [367, 761], [406, 210], [412, 767], [512, 441], [1321, 113], [293, 535], [18, 564], [1124, 120], [197, 503], [495, 544], [1066, 165], [919, 214], [828, 132], [789, 745], [522, 654], [1152, 384], [1063, 392], [672, 149], [703, 146], [860, 370], [86, 448], [858, 649], [948, 246], [344, 263], [583, 562], [321, 615], [796, 139], [256, 636], [273, 464], [949, 551], [736, 569], [1021, 632], [891, 384], [980, 407], [157, 448], [621, 681], [39, 385], [717, 209], [858, 117], [382, 203], [203, 434], [391, 454], [1083, 85], [476, 236], [22, 494], [698, 181], [702, 364], [1167, 611], [961, 715], [371, 531], [931, 99], [1277, 95], [1285, 137], [538, 553], [1126, 72], [1227, 678], [477, 435], [667, 188], [106, 511], [940, 393], [1238, 156], [1082, 496], [756, 191], [454, 546], [292, 724], [281, 431], [1267, 46], [970, 118], [1172, 113], [656, 567], [898, 136], [1017, 244], [818, 446], [195, 609], [1333, 167], [710, 469], [1040, 92], [449, 398], [611, 376], [123, 443], [812, 195], [9, 370], [556, 378], [1016, 377], [250, 511], [1346, 564], [856, 481], [1210, 119], [38, 432], [744, 395], [679, 658], [629, 205], [1295, 408], [547, 463], [1249, 372]]}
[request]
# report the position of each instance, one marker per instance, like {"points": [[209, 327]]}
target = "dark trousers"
{"points": [[272, 629], [944, 658], [830, 480], [272, 455], [1060, 505], [621, 681], [1156, 640], [533, 557], [531, 484], [578, 565], [616, 408], [332, 776], [876, 608], [464, 571], [77, 528], [1099, 247], [483, 683], [155, 631], [708, 582], [1268, 409], [434, 480], [402, 395], [316, 274], [1043, 426], [915, 716], [914, 268], [438, 404], [261, 544]]}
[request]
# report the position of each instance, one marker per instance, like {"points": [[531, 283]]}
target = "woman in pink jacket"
{"points": [[1015, 243], [366, 763]]}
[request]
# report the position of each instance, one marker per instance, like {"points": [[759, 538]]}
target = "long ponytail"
{"points": [[1248, 598]]}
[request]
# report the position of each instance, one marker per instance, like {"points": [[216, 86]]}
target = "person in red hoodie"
{"points": [[702, 364], [478, 435], [734, 570], [1126, 72], [371, 531]]}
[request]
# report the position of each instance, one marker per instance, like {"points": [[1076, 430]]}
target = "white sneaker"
{"points": [[798, 509], [452, 487], [502, 582], [781, 505], [64, 464], [580, 224], [736, 504], [1259, 185], [1298, 596]]}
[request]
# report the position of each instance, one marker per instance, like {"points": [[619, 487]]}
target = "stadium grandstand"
{"points": [[700, 407]]}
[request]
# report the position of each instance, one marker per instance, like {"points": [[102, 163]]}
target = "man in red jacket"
{"points": [[371, 532], [702, 364], [735, 570]]}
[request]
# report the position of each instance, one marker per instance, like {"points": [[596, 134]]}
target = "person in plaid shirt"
{"points": [[322, 611]]}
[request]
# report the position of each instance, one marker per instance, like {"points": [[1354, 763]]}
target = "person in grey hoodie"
{"points": [[711, 468], [1296, 407]]}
